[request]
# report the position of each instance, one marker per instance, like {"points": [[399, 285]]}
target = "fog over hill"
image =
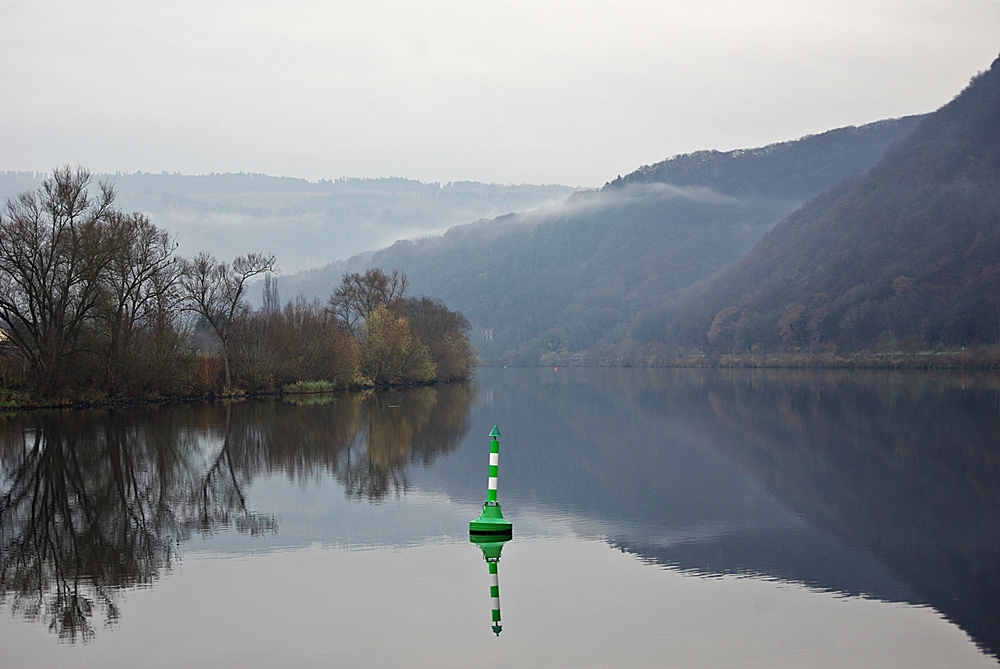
{"points": [[610, 264], [305, 224]]}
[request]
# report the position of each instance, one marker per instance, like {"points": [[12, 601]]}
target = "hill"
{"points": [[906, 257], [606, 264], [792, 170]]}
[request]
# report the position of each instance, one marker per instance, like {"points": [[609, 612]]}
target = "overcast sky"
{"points": [[571, 92]]}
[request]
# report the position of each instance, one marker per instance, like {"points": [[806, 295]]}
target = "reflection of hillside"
{"points": [[905, 466], [92, 502], [585, 440], [866, 483], [800, 555]]}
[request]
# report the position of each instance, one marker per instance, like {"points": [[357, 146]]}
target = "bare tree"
{"points": [[51, 266], [141, 287], [271, 296], [359, 295], [215, 291]]}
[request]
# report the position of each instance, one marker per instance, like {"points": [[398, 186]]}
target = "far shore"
{"points": [[979, 358], [922, 360]]}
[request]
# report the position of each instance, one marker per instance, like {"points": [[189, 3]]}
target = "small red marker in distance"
{"points": [[555, 369]]}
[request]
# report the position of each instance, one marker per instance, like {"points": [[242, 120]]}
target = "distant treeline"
{"points": [[252, 182], [94, 303], [860, 246]]}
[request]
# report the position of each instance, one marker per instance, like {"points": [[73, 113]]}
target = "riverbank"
{"points": [[14, 401]]}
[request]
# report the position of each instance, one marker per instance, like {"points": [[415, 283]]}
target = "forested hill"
{"points": [[907, 257], [608, 264], [799, 169]]}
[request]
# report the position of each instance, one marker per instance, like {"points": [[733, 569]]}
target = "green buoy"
{"points": [[491, 522]]}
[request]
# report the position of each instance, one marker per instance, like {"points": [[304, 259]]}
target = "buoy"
{"points": [[491, 521], [490, 531]]}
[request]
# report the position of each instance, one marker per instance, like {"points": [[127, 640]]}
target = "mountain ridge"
{"points": [[606, 263], [905, 257]]}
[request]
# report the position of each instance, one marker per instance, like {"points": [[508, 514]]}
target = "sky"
{"points": [[498, 91]]}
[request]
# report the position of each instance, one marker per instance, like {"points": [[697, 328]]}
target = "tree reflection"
{"points": [[365, 440], [82, 514], [97, 501]]}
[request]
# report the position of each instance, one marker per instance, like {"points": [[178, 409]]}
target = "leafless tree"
{"points": [[215, 290], [359, 295], [51, 266], [141, 287]]}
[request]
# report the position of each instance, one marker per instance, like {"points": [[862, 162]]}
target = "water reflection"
{"points": [[883, 485], [93, 505], [93, 502], [872, 485], [906, 466], [492, 547]]}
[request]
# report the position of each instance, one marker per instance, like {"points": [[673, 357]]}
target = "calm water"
{"points": [[680, 518]]}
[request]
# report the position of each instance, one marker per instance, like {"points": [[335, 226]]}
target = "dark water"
{"points": [[661, 518]]}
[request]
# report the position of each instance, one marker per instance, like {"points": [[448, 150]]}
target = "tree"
{"points": [[722, 333], [52, 260], [790, 326], [140, 289], [446, 334], [215, 291], [322, 349], [359, 295], [270, 296], [391, 354]]}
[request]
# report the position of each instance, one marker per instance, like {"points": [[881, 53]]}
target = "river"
{"points": [[661, 517]]}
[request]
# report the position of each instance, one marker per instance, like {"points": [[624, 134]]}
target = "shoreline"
{"points": [[970, 359], [128, 402], [887, 361]]}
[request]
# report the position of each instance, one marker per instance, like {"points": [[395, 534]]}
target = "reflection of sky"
{"points": [[616, 472], [417, 595], [312, 513]]}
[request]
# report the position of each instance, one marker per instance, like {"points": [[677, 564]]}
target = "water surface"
{"points": [[661, 517]]}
